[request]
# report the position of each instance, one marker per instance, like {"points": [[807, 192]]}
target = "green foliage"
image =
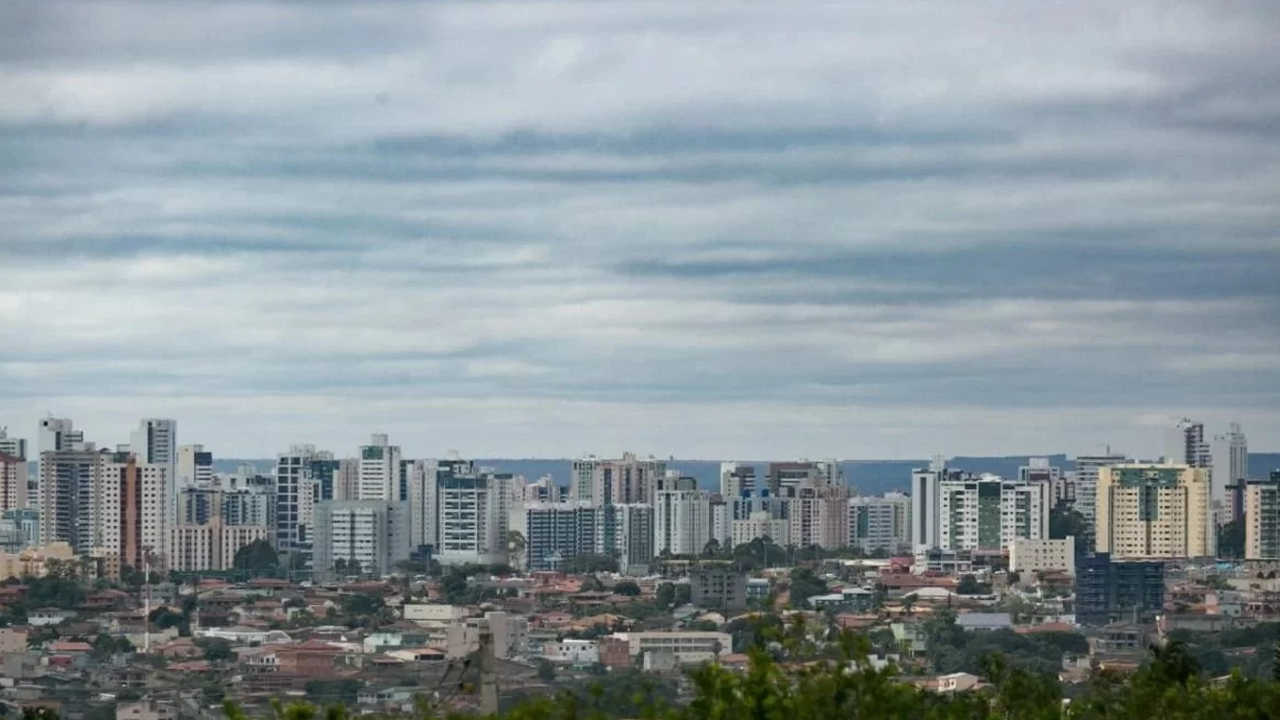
{"points": [[969, 585], [1231, 539], [804, 585], [334, 692], [363, 604], [628, 588], [215, 649], [665, 595], [842, 686], [546, 671], [1065, 521], [256, 557]]}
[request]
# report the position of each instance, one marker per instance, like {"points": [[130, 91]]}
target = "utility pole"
{"points": [[488, 674]]}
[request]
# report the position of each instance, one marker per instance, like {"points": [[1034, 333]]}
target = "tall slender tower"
{"points": [[1230, 461]]}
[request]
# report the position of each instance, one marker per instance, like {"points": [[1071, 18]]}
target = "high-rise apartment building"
{"points": [[792, 474], [762, 525], [926, 508], [68, 482], [211, 546], [13, 482], [296, 489], [556, 533], [1155, 511], [1085, 477], [628, 536], [1108, 590], [372, 535], [57, 434], [1262, 518], [12, 446], [380, 469], [207, 537], [989, 512], [194, 466], [1230, 455], [681, 518], [544, 489], [471, 507], [130, 509], [1185, 445], [613, 482], [254, 504], [880, 523], [155, 442], [736, 479], [819, 513]]}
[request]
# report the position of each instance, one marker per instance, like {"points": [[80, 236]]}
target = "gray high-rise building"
{"points": [[68, 480], [1185, 445], [1230, 461], [372, 535], [556, 533]]}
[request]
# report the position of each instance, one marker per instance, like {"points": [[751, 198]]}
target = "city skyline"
{"points": [[1158, 439], [700, 229]]}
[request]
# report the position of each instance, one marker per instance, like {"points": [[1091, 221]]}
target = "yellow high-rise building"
{"points": [[1155, 511]]}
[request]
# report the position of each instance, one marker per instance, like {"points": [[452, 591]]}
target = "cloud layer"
{"points": [[693, 228]]}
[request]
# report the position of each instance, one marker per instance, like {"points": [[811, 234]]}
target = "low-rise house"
{"points": [[856, 599], [911, 638], [579, 653], [388, 697], [686, 646], [49, 616]]}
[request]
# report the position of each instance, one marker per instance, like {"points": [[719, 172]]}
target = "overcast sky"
{"points": [[702, 229]]}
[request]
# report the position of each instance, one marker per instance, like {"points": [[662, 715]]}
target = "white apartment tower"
{"points": [[12, 446], [58, 434], [195, 466], [989, 512], [1085, 477], [926, 513], [471, 514], [155, 442], [736, 479], [880, 523], [379, 470], [614, 482], [681, 518]]}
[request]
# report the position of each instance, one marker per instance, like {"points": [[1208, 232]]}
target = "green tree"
{"points": [[257, 557], [628, 588], [1065, 521], [804, 585], [546, 671], [1231, 539], [363, 604], [665, 595], [216, 649]]}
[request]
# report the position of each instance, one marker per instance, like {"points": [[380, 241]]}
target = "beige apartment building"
{"points": [[1155, 510], [1262, 518]]}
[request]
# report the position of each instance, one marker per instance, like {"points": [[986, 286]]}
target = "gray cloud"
{"points": [[700, 228]]}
